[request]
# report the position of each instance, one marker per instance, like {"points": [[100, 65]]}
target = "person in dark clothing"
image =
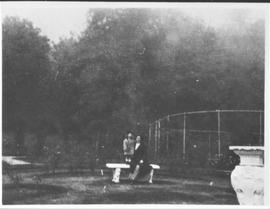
{"points": [[139, 166]]}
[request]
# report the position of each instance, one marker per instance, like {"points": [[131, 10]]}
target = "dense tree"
{"points": [[25, 69], [126, 69]]}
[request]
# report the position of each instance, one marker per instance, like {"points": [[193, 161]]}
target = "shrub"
{"points": [[53, 149]]}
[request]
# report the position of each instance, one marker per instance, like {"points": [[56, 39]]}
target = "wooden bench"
{"points": [[117, 170]]}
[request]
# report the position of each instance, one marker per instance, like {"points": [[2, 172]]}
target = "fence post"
{"points": [[158, 139], [155, 154], [184, 138], [260, 140], [219, 142], [97, 145], [209, 147], [167, 136], [149, 136]]}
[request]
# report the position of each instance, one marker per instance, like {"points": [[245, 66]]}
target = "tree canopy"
{"points": [[126, 69]]}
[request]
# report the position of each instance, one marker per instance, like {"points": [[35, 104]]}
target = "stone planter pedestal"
{"points": [[248, 178]]}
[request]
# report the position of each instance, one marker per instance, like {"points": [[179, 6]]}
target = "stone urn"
{"points": [[248, 177]]}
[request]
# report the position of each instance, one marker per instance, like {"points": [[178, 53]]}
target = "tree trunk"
{"points": [[19, 139]]}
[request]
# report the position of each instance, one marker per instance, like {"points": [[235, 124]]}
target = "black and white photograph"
{"points": [[110, 103]]}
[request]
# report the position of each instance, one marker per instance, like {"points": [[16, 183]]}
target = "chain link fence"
{"points": [[203, 138]]}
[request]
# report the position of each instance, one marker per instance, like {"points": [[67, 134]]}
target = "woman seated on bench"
{"points": [[140, 170]]}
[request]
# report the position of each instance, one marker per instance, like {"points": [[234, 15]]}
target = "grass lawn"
{"points": [[86, 188]]}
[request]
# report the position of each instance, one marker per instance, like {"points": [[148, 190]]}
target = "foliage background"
{"points": [[127, 68]]}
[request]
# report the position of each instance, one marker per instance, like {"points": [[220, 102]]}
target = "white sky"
{"points": [[57, 19]]}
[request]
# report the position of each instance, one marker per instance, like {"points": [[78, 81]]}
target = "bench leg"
{"points": [[116, 175], [151, 176]]}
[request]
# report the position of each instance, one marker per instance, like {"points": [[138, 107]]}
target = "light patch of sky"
{"points": [[220, 17], [60, 20], [54, 22]]}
